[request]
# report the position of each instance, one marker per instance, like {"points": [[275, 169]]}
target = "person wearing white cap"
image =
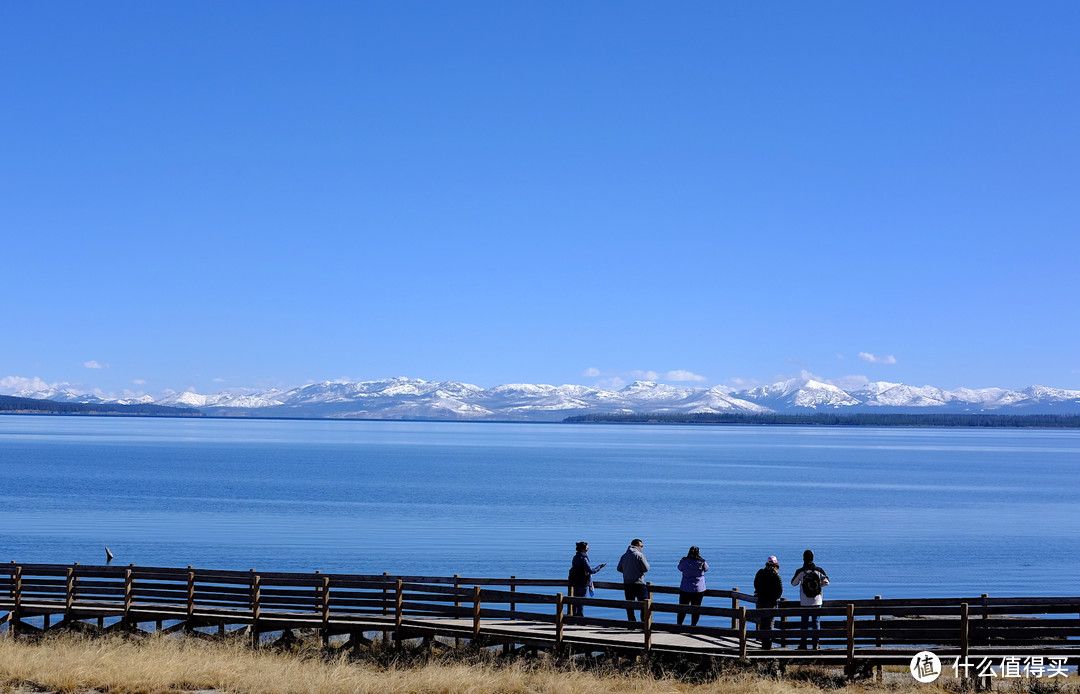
{"points": [[768, 587]]}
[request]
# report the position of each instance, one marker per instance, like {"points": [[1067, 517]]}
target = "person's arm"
{"points": [[644, 564], [797, 578], [824, 578], [598, 567], [704, 565]]}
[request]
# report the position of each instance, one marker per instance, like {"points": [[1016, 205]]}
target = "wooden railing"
{"points": [[40, 597]]}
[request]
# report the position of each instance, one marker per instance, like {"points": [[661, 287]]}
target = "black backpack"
{"points": [[811, 583]]}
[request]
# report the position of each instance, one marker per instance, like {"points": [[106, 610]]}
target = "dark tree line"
{"points": [[857, 419], [12, 404]]}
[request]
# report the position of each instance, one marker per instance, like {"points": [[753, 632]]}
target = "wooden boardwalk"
{"points": [[354, 610]]}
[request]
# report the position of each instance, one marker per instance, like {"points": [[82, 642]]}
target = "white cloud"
{"points": [[93, 365], [737, 384], [19, 384], [139, 381], [852, 382], [617, 379], [683, 375], [219, 380], [867, 356]]}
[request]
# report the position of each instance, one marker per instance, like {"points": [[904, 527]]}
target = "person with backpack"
{"points": [[579, 579], [768, 587], [811, 579], [692, 588]]}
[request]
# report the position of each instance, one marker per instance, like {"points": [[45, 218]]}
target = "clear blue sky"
{"points": [[224, 194]]}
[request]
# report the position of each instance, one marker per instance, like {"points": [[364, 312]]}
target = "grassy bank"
{"points": [[71, 663]]}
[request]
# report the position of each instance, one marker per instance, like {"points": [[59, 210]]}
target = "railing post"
{"points": [[129, 588], [69, 597], [964, 646], [476, 612], [17, 607], [513, 589], [984, 683], [783, 624], [190, 599], [734, 604], [558, 620], [742, 631], [256, 606], [850, 633], [877, 640], [386, 608], [399, 600], [326, 610], [646, 622], [457, 603]]}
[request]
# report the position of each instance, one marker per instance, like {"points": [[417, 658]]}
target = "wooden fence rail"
{"points": [[513, 611]]}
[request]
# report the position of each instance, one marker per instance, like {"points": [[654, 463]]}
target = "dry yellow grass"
{"points": [[161, 664]]}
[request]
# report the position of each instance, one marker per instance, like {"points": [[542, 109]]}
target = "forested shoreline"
{"points": [[858, 419], [9, 404]]}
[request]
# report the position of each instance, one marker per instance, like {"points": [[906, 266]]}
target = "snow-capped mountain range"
{"points": [[406, 398]]}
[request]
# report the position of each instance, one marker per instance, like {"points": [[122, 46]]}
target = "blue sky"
{"points": [[215, 195]]}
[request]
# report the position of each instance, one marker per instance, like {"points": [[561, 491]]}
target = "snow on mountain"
{"points": [[716, 401], [1037, 394], [885, 394], [344, 391], [802, 393], [520, 398], [650, 391], [440, 406], [223, 399], [398, 398], [60, 394]]}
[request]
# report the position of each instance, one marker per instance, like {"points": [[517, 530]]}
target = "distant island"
{"points": [[1030, 421]]}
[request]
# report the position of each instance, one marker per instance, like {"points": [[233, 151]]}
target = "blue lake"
{"points": [[890, 511]]}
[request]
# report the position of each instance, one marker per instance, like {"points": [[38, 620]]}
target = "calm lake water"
{"points": [[889, 511]]}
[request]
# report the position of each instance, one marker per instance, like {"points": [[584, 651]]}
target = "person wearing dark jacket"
{"points": [[580, 578], [633, 566], [768, 587], [812, 577]]}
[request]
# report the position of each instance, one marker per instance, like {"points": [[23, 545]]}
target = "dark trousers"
{"points": [[809, 621], [578, 592], [634, 591], [689, 599], [766, 624]]}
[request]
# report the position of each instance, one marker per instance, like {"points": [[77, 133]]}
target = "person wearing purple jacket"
{"points": [[692, 588]]}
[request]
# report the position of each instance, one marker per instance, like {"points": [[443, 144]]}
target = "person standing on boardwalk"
{"points": [[580, 577], [768, 587], [811, 578], [692, 588], [633, 567]]}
